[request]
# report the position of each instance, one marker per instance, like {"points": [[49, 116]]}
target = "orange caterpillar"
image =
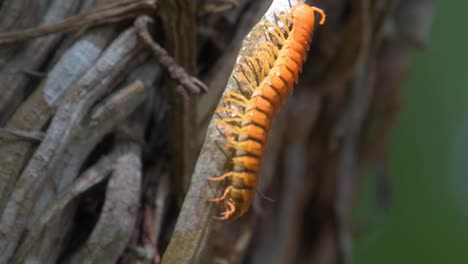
{"points": [[265, 78]]}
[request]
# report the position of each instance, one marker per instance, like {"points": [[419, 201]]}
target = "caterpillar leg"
{"points": [[272, 30], [235, 102], [228, 130], [236, 99], [248, 73], [229, 110], [231, 142], [222, 197], [238, 96], [220, 178], [269, 47], [226, 214], [222, 149], [322, 14], [286, 20], [261, 67], [224, 122], [243, 84], [283, 28], [267, 53], [236, 130]]}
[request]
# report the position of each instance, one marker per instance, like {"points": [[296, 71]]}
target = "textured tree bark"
{"points": [[98, 150]]}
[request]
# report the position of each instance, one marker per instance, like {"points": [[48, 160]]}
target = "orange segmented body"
{"points": [[264, 78]]}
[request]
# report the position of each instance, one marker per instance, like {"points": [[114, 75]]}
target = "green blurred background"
{"points": [[428, 221]]}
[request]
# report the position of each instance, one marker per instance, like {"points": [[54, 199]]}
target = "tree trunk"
{"points": [[101, 129]]}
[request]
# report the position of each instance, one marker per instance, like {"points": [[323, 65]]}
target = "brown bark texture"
{"points": [[107, 133]]}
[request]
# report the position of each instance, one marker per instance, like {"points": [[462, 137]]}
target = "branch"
{"points": [[111, 13], [116, 223], [188, 84], [33, 136], [221, 6], [196, 216], [154, 217]]}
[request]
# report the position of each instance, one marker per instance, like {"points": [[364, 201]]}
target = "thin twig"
{"points": [[221, 6], [160, 208], [188, 83], [111, 13], [22, 134], [31, 73]]}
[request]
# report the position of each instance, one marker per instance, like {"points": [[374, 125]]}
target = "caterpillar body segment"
{"points": [[265, 79]]}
